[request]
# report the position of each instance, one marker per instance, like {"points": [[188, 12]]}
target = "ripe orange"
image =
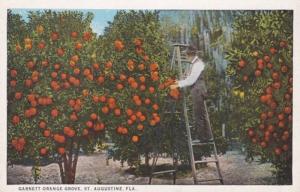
{"points": [[142, 87], [59, 138], [87, 36], [54, 36], [100, 80], [47, 133], [76, 71], [119, 86], [43, 151], [89, 124], [13, 83], [96, 66], [141, 67], [78, 45], [85, 132], [13, 73], [122, 77], [133, 117], [108, 65], [140, 127], [242, 63], [257, 73], [155, 107], [287, 110], [16, 119], [72, 102], [54, 74], [105, 109], [102, 99], [117, 112], [42, 124], [74, 34], [73, 117], [153, 66], [54, 112], [135, 138], [60, 52], [137, 42], [129, 112], [18, 95], [94, 116], [142, 79], [129, 122], [61, 150], [142, 118], [119, 46], [147, 101], [151, 89], [134, 85]]}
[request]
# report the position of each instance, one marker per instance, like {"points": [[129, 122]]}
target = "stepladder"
{"points": [[179, 61]]}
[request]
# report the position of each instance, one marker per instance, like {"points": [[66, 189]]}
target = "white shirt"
{"points": [[197, 68]]}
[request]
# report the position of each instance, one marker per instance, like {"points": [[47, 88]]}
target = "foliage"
{"points": [[260, 69], [48, 92]]}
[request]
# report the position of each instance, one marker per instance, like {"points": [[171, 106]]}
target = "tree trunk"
{"points": [[67, 165], [147, 159]]}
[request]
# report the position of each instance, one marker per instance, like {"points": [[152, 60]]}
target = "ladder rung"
{"points": [[176, 112], [206, 161], [209, 180], [201, 144], [163, 172]]}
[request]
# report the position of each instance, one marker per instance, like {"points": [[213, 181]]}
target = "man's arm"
{"points": [[192, 78]]}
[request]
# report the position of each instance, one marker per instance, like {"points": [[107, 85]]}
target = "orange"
{"points": [[135, 138], [147, 101], [117, 112], [61, 150], [129, 112], [47, 133], [119, 46], [42, 124], [43, 151], [96, 66], [85, 132], [155, 107], [89, 124], [140, 127], [141, 67], [108, 64], [151, 89], [13, 73], [94, 116], [54, 112], [105, 109], [18, 95], [102, 99], [16, 119], [119, 86]]}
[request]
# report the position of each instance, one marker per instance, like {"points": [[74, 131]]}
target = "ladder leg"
{"points": [[214, 145], [187, 124]]}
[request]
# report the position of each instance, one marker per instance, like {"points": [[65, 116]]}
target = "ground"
{"points": [[92, 169]]}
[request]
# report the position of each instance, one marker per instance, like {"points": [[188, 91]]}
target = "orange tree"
{"points": [[137, 77], [260, 70], [66, 87], [50, 113]]}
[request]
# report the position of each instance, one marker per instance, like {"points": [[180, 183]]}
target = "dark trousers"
{"points": [[201, 124]]}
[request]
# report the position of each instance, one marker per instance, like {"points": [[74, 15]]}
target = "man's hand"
{"points": [[174, 85]]}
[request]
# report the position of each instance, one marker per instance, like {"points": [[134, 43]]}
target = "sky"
{"points": [[101, 17]]}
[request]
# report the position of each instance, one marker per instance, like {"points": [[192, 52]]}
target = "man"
{"points": [[196, 80]]}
